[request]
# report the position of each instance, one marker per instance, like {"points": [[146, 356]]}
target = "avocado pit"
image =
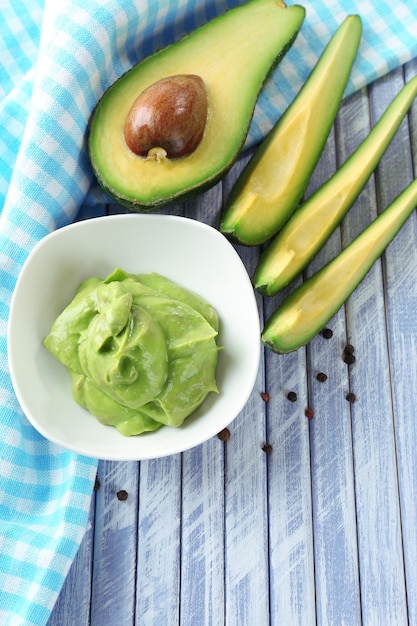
{"points": [[168, 118]]}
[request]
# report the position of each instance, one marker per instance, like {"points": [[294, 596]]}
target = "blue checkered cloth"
{"points": [[56, 59]]}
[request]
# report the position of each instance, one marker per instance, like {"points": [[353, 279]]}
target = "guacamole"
{"points": [[141, 350]]}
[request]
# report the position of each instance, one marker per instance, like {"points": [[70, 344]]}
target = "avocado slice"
{"points": [[309, 307], [233, 54], [271, 185], [313, 223]]}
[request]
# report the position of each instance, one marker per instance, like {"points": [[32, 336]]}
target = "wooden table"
{"points": [[321, 527]]}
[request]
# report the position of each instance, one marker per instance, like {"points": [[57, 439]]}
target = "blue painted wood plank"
{"points": [[291, 554], [246, 514], [403, 335], [246, 547], [400, 275], [202, 596], [202, 535], [114, 565], [158, 542], [73, 604], [291, 559], [383, 595], [335, 548]]}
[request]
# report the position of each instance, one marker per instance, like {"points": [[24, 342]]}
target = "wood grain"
{"points": [[318, 528]]}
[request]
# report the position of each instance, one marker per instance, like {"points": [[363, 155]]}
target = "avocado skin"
{"points": [[157, 201], [274, 180], [308, 309], [135, 206]]}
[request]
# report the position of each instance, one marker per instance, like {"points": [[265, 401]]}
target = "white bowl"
{"points": [[189, 252]]}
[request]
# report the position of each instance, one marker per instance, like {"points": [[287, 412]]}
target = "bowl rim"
{"points": [[111, 220]]}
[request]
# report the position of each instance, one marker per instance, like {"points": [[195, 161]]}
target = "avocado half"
{"points": [[233, 54]]}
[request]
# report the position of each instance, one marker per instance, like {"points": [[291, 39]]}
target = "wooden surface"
{"points": [[320, 530]]}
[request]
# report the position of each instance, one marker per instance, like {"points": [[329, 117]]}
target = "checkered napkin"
{"points": [[56, 59]]}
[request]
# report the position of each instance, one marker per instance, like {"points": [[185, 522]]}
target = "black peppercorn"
{"points": [[122, 495], [327, 333], [309, 413], [350, 397], [267, 448], [292, 396], [224, 435], [321, 377], [349, 358]]}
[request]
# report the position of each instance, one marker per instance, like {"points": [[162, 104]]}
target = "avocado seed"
{"points": [[170, 114]]}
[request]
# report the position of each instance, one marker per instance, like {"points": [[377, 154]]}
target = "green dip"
{"points": [[140, 349]]}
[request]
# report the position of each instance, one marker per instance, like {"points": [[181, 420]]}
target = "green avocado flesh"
{"points": [[270, 187], [312, 224], [233, 54], [141, 350], [309, 307]]}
